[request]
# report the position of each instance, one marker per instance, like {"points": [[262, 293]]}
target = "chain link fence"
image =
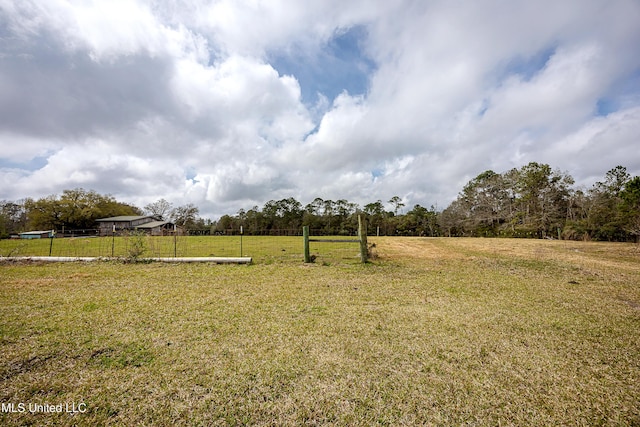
{"points": [[264, 248]]}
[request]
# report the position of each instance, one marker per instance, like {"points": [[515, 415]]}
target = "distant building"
{"points": [[159, 228], [149, 224], [37, 234]]}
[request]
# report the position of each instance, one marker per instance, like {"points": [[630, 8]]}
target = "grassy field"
{"points": [[263, 249], [432, 332]]}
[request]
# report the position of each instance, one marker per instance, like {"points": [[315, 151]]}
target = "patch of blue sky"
{"points": [[484, 106], [376, 173], [191, 174], [606, 106], [526, 67], [340, 65], [623, 94], [29, 165]]}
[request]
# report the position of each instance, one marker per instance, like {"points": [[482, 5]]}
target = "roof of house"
{"points": [[154, 224], [123, 218]]}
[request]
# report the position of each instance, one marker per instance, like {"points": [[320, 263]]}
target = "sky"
{"points": [[228, 104]]}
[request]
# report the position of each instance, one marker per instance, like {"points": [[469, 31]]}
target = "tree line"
{"points": [[329, 217], [532, 201], [536, 201]]}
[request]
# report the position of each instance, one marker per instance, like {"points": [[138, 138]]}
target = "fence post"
{"points": [[362, 235], [51, 235], [175, 241], [305, 235]]}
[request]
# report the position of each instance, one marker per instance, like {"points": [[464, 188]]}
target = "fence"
{"points": [[263, 249], [361, 240]]}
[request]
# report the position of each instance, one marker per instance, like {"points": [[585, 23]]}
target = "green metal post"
{"points": [[305, 235]]}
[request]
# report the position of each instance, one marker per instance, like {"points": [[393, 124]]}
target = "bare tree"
{"points": [[160, 209], [185, 216]]}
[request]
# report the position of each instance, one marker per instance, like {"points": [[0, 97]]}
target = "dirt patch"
{"points": [[18, 367], [589, 257], [415, 248], [630, 303]]}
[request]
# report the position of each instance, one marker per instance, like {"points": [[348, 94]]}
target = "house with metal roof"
{"points": [[147, 223], [157, 228]]}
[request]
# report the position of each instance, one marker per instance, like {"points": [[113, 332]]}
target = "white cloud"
{"points": [[252, 27], [178, 99], [18, 148], [600, 144]]}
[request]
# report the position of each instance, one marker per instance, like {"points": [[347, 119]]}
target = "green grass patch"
{"points": [[263, 249], [433, 332]]}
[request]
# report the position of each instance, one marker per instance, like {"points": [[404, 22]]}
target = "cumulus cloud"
{"points": [[229, 104]]}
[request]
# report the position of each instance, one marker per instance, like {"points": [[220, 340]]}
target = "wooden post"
{"points": [[305, 235], [362, 234]]}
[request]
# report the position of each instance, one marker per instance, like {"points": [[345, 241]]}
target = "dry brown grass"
{"points": [[435, 332]]}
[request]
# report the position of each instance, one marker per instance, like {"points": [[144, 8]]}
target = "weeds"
{"points": [[136, 245], [15, 250]]}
